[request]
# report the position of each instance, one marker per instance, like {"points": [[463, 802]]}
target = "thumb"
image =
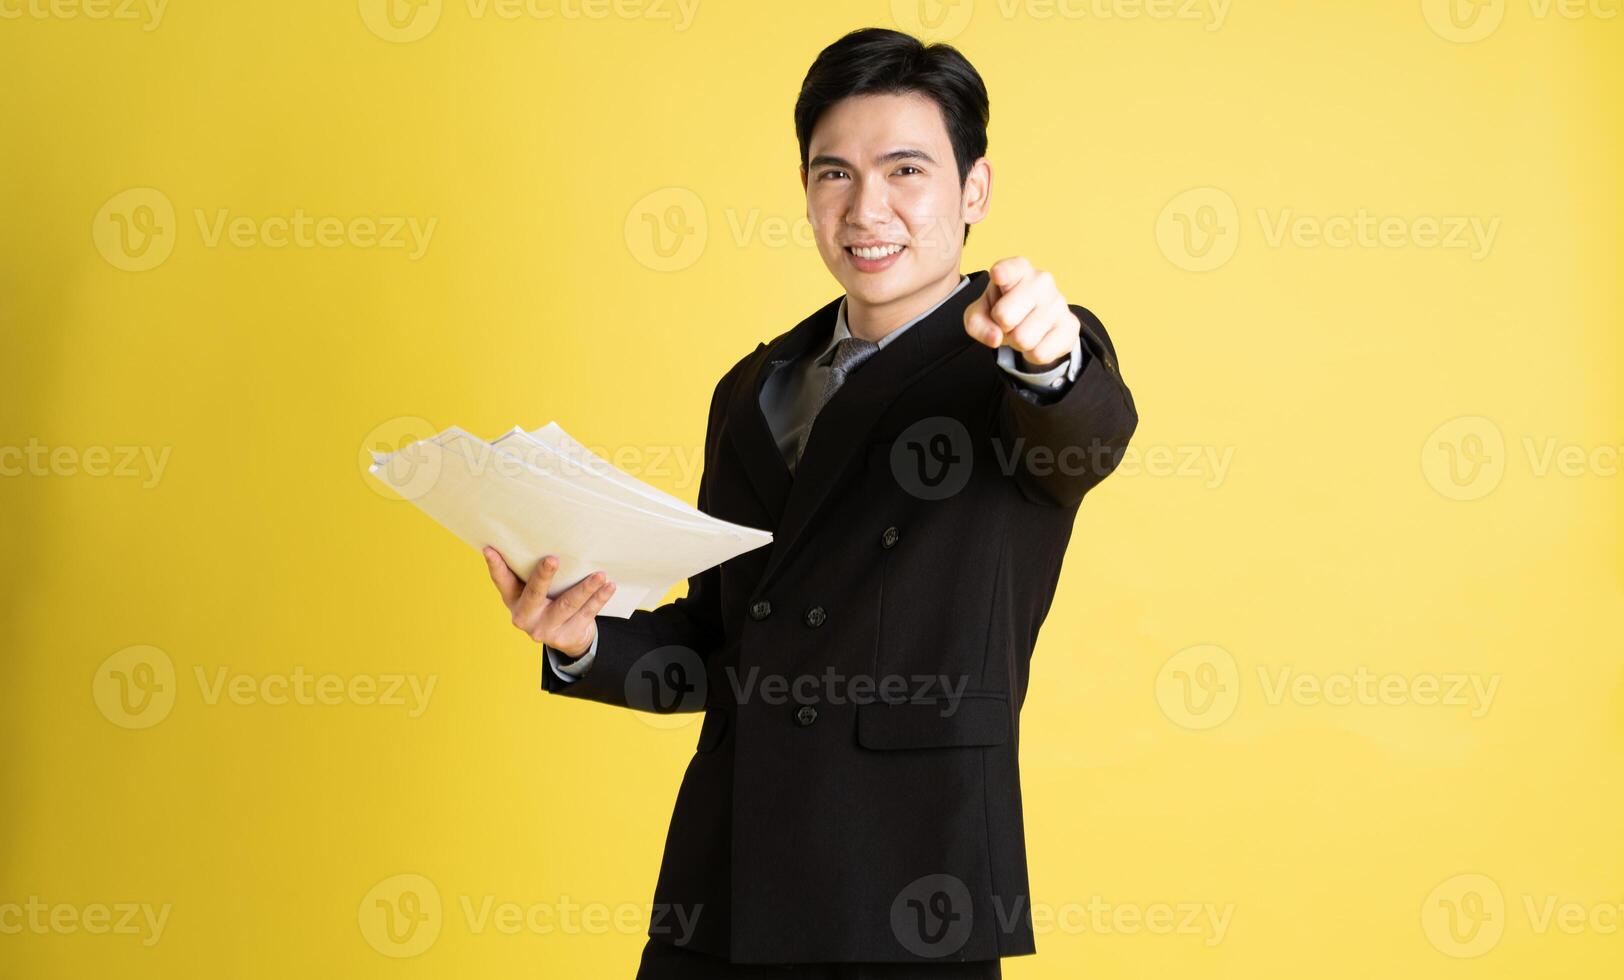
{"points": [[978, 321]]}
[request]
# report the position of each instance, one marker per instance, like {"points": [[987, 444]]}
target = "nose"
{"points": [[870, 205]]}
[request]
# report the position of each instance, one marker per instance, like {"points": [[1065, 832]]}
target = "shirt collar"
{"points": [[842, 331]]}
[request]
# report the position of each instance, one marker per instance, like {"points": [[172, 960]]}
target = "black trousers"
{"points": [[662, 961]]}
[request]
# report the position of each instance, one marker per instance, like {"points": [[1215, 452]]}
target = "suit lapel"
{"points": [[763, 463], [844, 423]]}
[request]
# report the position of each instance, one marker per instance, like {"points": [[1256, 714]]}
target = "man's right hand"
{"points": [[567, 622]]}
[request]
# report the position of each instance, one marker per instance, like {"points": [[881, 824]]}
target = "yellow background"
{"points": [[1334, 834]]}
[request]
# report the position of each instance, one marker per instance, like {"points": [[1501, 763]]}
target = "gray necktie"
{"points": [[849, 353]]}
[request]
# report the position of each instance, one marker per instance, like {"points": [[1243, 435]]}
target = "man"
{"points": [[919, 449]]}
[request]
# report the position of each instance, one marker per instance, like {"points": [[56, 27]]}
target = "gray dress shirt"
{"points": [[790, 396]]}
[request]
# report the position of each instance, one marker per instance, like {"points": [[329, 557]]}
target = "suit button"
{"points": [[815, 616], [890, 538], [806, 715], [761, 609]]}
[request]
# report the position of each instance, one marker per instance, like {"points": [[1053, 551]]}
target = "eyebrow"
{"points": [[905, 153]]}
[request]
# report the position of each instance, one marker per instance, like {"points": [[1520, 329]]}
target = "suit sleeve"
{"points": [[1061, 448], [687, 630]]}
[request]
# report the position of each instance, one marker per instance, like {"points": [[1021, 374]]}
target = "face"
{"points": [[881, 178]]}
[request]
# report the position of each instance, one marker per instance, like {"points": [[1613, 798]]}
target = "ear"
{"points": [[977, 192], [803, 178]]}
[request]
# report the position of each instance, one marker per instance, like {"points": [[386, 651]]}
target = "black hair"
{"points": [[875, 61]]}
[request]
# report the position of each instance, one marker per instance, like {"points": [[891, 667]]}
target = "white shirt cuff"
{"points": [[570, 671], [1052, 380]]}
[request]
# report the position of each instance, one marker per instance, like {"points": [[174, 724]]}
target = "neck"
{"points": [[875, 322]]}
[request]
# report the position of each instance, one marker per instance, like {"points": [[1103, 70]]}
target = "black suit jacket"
{"points": [[825, 818]]}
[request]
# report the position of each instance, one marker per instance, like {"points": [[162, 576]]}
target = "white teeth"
{"points": [[876, 253]]}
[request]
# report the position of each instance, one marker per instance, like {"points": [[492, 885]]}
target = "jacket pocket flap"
{"points": [[968, 720]]}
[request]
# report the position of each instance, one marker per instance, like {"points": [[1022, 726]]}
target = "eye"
{"points": [[909, 167], [830, 173]]}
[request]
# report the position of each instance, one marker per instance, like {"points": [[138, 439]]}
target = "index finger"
{"points": [[1009, 272]]}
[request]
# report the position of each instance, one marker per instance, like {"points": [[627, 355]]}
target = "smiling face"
{"points": [[885, 203]]}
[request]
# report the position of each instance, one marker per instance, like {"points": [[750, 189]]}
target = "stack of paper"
{"points": [[531, 494]]}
